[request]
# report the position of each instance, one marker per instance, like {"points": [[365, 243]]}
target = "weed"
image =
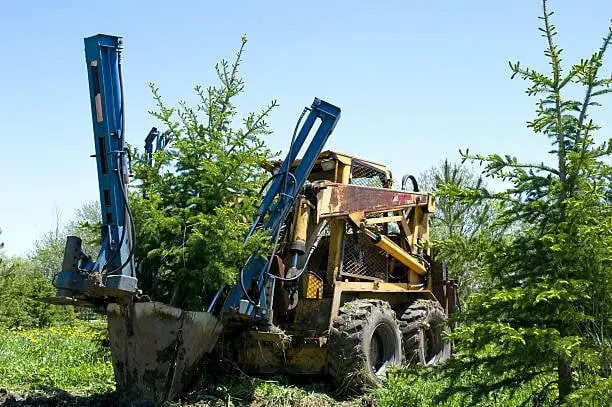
{"points": [[69, 358]]}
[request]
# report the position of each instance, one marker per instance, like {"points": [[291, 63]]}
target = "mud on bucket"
{"points": [[156, 348]]}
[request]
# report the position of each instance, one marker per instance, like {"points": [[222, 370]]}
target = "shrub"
{"points": [[20, 285]]}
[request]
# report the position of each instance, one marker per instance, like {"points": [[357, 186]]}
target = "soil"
{"points": [[61, 398]]}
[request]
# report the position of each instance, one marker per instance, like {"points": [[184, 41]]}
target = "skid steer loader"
{"points": [[353, 287], [348, 288]]}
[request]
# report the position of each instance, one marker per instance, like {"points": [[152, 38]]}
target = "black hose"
{"points": [[274, 176], [297, 126], [132, 230], [243, 287], [415, 185], [310, 252]]}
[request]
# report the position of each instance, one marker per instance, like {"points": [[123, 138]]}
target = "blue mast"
{"points": [[113, 273]]}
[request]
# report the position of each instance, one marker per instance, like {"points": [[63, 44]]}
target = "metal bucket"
{"points": [[156, 348]]}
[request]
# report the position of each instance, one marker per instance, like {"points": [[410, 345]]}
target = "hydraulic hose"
{"points": [[310, 252]]}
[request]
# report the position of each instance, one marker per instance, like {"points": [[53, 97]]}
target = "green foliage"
{"points": [[410, 387], [48, 250], [20, 284], [1, 246], [546, 319], [456, 217], [227, 386], [460, 228], [273, 394], [68, 358], [197, 200]]}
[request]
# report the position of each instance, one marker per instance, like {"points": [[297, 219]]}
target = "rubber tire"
{"points": [[422, 324], [350, 353]]}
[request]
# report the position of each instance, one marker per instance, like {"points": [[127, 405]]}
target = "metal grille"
{"points": [[362, 259], [314, 286], [365, 175]]}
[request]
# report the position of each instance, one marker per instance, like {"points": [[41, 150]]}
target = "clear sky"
{"points": [[416, 80]]}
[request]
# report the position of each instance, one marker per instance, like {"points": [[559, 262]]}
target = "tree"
{"points": [[460, 228], [20, 285], [546, 323], [48, 250], [197, 199], [1, 246], [456, 217]]}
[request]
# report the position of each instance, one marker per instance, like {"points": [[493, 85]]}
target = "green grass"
{"points": [[276, 395], [68, 358], [234, 388], [412, 387], [72, 359]]}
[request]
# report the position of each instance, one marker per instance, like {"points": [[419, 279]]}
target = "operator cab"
{"points": [[343, 168]]}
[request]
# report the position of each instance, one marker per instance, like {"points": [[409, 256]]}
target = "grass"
{"points": [[69, 363], [234, 388], [67, 358], [63, 364]]}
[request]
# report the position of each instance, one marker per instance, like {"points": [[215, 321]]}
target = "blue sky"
{"points": [[416, 81]]}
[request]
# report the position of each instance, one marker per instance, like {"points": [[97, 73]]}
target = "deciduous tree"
{"points": [[48, 250]]}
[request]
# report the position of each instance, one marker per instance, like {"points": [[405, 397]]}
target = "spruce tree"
{"points": [[195, 201], [546, 323]]}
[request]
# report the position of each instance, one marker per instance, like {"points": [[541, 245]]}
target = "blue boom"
{"points": [[285, 186], [112, 274]]}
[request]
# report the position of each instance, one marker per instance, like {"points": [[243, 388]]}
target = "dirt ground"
{"points": [[54, 399]]}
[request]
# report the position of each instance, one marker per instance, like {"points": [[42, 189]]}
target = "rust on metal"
{"points": [[156, 348], [336, 199]]}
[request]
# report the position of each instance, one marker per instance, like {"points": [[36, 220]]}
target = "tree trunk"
{"points": [[177, 299], [564, 378]]}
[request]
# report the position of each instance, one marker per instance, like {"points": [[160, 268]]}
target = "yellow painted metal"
{"points": [[357, 218], [431, 204], [385, 219], [337, 227], [312, 316], [405, 227], [378, 287], [274, 352], [400, 254], [415, 224], [314, 287], [300, 222], [342, 159]]}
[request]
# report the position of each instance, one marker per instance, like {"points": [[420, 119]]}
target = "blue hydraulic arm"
{"points": [[161, 141], [112, 274], [277, 203]]}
